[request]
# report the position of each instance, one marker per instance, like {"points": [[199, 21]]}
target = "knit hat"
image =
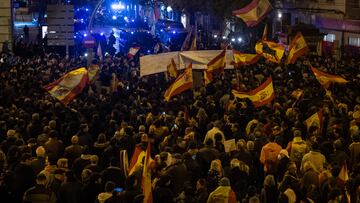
{"points": [[224, 182]]}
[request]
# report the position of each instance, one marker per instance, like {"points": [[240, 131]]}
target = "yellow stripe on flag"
{"points": [[247, 59], [297, 48], [182, 83], [172, 69], [260, 96], [146, 177], [217, 64], [254, 12], [314, 120], [326, 79], [270, 50]]}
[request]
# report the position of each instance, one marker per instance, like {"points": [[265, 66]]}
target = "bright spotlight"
{"points": [[102, 34], [126, 18], [169, 9], [224, 37], [279, 15], [162, 8], [114, 17], [85, 35], [86, 9], [174, 32], [85, 54], [233, 39], [132, 33], [118, 6], [240, 39], [215, 36]]}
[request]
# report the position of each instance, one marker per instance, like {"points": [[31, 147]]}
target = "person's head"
{"points": [[338, 145], [201, 183], [62, 163], [218, 124], [74, 139], [216, 166], [109, 187], [85, 175], [40, 151], [209, 142], [51, 159], [297, 133], [84, 127], [101, 138], [218, 137], [53, 134], [52, 124], [94, 159], [292, 168], [35, 117], [269, 181], [224, 182], [26, 158], [41, 179], [250, 145], [142, 129], [234, 127]]}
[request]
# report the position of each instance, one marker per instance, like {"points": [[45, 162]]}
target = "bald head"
{"points": [[74, 139], [40, 151]]}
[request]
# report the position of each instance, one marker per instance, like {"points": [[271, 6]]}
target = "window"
{"points": [[354, 41], [329, 37]]}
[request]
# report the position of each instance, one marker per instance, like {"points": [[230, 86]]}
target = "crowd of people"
{"points": [[56, 153]]}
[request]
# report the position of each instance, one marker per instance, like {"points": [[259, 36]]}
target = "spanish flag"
{"points": [[136, 159], [270, 50], [146, 177], [326, 79], [314, 120], [245, 59], [208, 77], [93, 70], [172, 71], [297, 93], [260, 96], [182, 83], [66, 88], [297, 48], [217, 64], [254, 12]]}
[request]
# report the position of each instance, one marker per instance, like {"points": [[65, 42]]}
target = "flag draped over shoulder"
{"points": [[297, 48], [314, 120], [181, 84], [326, 79], [260, 96], [172, 70], [254, 12], [217, 64], [270, 50], [66, 88], [146, 177], [245, 59]]}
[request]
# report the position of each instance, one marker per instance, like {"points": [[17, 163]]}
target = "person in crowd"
{"points": [[38, 164], [70, 190], [315, 158], [223, 193], [109, 189], [73, 151], [269, 154], [39, 193], [297, 148]]}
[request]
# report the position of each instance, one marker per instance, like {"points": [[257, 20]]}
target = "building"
{"points": [[338, 20]]}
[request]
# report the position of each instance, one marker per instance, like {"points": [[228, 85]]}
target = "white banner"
{"points": [[152, 64]]}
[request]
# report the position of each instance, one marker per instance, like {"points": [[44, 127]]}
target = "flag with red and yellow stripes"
{"points": [[272, 51], [297, 48], [326, 79], [260, 96], [172, 70], [254, 12], [66, 88], [217, 64], [208, 77], [181, 84], [146, 177], [245, 59], [314, 120]]}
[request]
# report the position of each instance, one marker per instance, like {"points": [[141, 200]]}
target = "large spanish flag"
{"points": [[66, 88], [260, 96], [270, 50], [326, 79], [136, 159], [343, 176], [146, 177], [297, 48], [182, 83], [314, 120], [254, 12], [172, 70], [217, 64], [245, 59]]}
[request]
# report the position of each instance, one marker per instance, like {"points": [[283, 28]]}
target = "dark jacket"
{"points": [[54, 146], [205, 156], [38, 164], [39, 194], [70, 192], [178, 175], [72, 152], [114, 174]]}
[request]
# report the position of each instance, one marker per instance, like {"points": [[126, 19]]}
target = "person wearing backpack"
{"points": [[297, 148], [269, 154]]}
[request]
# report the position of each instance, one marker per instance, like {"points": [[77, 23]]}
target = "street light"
{"points": [[279, 15], [215, 36], [169, 9]]}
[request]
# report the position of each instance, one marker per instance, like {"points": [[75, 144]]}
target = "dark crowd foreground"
{"points": [[53, 153]]}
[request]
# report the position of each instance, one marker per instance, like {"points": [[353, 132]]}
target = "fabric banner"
{"points": [[152, 64]]}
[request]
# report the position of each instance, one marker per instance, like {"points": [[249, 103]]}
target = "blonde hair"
{"points": [[62, 163], [216, 166]]}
